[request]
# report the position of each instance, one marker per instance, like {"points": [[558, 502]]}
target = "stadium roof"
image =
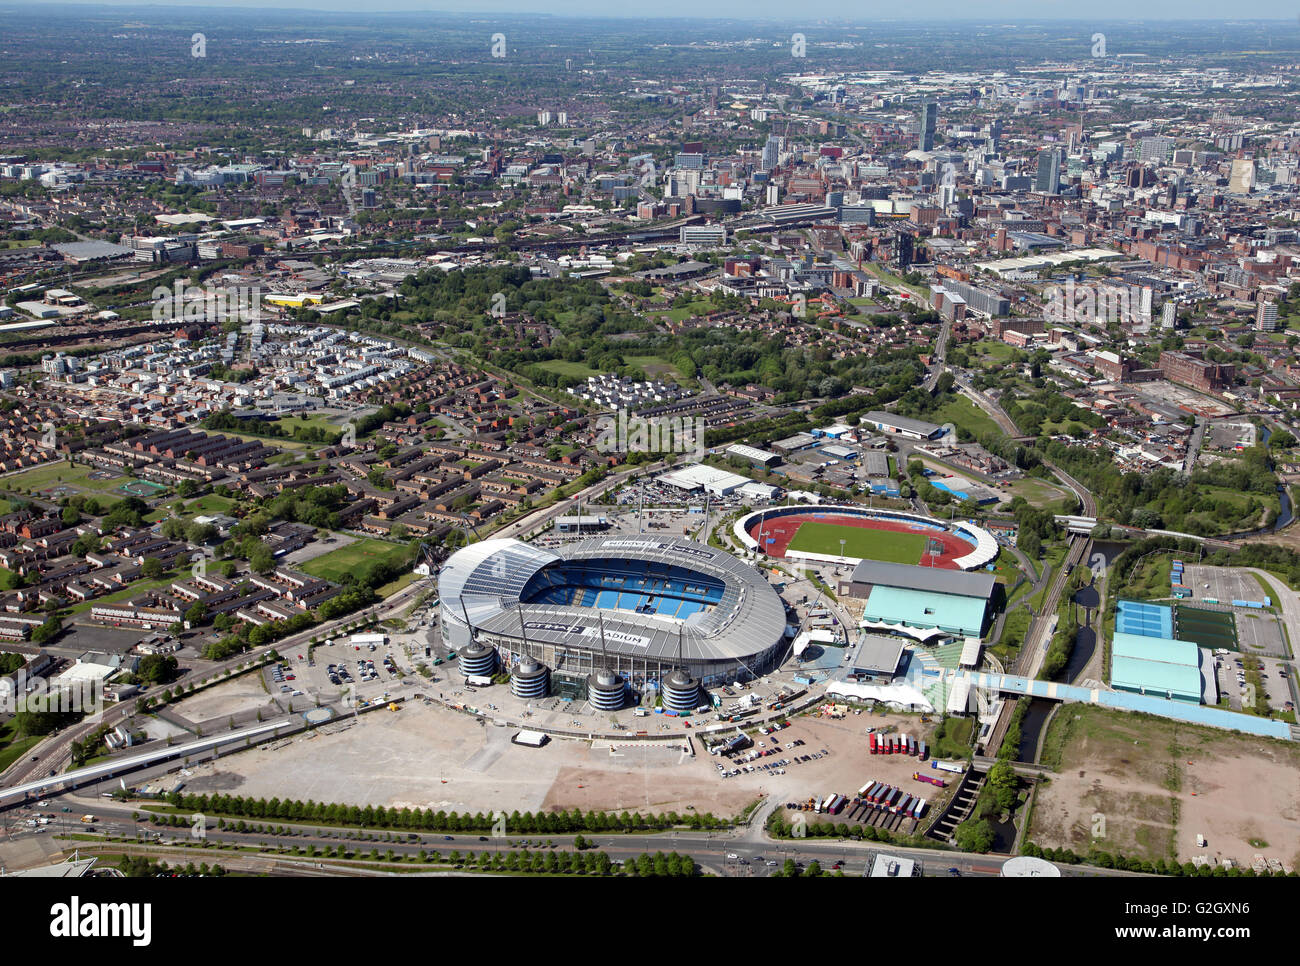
{"points": [[488, 577], [494, 567], [929, 579]]}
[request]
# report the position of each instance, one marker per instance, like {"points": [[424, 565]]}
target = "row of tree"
{"points": [[370, 816]]}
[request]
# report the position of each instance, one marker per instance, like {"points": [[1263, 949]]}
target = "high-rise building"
{"points": [[1169, 315], [772, 152], [904, 250], [1048, 179], [1242, 179], [928, 121], [1155, 149], [1266, 317]]}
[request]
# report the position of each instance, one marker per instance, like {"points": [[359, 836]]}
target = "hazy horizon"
{"points": [[772, 11]]}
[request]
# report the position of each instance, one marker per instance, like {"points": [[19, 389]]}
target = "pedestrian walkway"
{"points": [[1124, 701]]}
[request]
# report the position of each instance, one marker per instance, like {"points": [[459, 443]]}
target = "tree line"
{"points": [[371, 816]]}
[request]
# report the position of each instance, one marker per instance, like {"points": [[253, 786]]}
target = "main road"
{"points": [[717, 851]]}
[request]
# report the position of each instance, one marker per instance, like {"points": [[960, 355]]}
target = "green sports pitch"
{"points": [[886, 545]]}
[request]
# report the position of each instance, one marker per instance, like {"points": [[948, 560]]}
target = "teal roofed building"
{"points": [[922, 610], [1157, 666]]}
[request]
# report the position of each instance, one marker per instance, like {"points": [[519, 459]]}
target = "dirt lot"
{"points": [[231, 697], [1158, 784], [428, 757]]}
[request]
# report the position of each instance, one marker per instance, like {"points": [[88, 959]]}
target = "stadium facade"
{"points": [[638, 607]]}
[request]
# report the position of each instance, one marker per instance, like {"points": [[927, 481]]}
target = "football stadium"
{"points": [[603, 615], [831, 534]]}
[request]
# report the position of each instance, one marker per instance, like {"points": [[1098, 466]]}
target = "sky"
{"points": [[858, 11]]}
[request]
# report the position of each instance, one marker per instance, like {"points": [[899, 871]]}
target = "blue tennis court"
{"points": [[1143, 619]]}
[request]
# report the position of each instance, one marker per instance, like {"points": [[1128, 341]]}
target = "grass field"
{"points": [[1149, 580], [1038, 493], [210, 504], [885, 545], [964, 414], [290, 423], [273, 441], [696, 308], [992, 349], [12, 749], [654, 366], [575, 369], [350, 559], [394, 586], [54, 474]]}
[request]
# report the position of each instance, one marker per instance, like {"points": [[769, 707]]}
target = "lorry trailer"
{"points": [[930, 781]]}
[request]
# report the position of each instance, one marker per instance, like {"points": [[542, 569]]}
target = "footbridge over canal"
{"points": [[1125, 701]]}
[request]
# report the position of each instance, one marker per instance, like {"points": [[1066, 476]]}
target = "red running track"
{"points": [[782, 530]]}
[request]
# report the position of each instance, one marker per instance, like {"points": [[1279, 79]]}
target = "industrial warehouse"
{"points": [[610, 614]]}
